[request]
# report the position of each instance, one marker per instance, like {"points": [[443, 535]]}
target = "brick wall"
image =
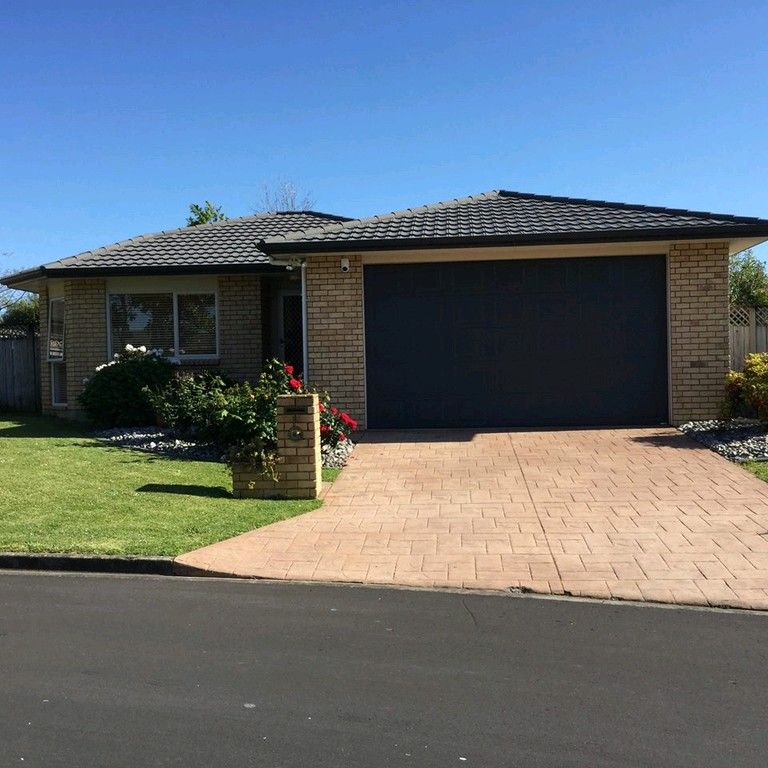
{"points": [[45, 370], [335, 331], [240, 334], [85, 302], [698, 322]]}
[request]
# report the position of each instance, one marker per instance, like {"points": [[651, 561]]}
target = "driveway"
{"points": [[642, 514]]}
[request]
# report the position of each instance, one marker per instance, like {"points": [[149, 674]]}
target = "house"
{"points": [[495, 310]]}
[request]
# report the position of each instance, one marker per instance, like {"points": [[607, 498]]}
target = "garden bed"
{"points": [[740, 440], [164, 442]]}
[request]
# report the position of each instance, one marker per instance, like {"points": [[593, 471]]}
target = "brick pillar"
{"points": [[335, 331], [698, 329], [85, 320], [240, 346], [299, 473]]}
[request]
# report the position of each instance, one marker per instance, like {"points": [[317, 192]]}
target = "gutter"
{"points": [[544, 238], [191, 269]]}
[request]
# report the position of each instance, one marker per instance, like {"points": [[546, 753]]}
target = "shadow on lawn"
{"points": [[209, 491], [34, 425]]}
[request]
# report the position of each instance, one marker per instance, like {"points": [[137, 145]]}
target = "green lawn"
{"points": [[757, 468], [61, 491]]}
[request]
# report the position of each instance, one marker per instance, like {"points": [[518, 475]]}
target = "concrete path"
{"points": [[642, 514]]}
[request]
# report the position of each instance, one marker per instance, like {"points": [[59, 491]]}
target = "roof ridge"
{"points": [[626, 206], [196, 228], [381, 217]]}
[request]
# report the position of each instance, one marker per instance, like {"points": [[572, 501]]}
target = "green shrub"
{"points": [[119, 392], [190, 402], [746, 393], [241, 417]]}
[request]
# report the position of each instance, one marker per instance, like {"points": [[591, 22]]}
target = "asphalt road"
{"points": [[139, 671]]}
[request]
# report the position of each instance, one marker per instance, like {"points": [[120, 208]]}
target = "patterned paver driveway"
{"points": [[641, 514]]}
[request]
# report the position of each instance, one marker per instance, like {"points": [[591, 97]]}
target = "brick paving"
{"points": [[641, 514]]}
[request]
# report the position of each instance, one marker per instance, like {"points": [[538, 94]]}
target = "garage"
{"points": [[517, 343]]}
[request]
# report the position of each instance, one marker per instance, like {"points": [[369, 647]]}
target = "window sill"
{"points": [[200, 361]]}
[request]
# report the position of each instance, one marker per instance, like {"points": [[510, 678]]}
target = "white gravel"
{"points": [[738, 439], [165, 443]]}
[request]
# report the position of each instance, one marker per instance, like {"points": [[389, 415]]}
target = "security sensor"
{"points": [[345, 265]]}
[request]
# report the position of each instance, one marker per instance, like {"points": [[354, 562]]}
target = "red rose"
{"points": [[334, 411], [324, 429], [322, 408], [294, 384], [288, 369], [342, 436]]}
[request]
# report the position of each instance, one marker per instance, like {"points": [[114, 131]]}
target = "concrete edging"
{"points": [[44, 561]]}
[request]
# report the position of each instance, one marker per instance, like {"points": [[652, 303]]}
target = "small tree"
{"points": [[208, 213], [18, 309], [283, 195], [24, 313], [747, 280]]}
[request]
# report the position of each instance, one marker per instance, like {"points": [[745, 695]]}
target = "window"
{"points": [[180, 324], [56, 361]]}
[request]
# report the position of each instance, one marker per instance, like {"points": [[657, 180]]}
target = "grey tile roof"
{"points": [[502, 217], [207, 247]]}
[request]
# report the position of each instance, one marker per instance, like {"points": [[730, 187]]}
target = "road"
{"points": [[139, 671]]}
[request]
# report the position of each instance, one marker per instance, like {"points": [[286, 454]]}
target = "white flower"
{"points": [[143, 349], [130, 348]]}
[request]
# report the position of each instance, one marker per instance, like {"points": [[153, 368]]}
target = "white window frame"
{"points": [[176, 358], [56, 361]]}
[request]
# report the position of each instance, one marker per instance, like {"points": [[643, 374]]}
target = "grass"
{"points": [[757, 468], [62, 491], [329, 475]]}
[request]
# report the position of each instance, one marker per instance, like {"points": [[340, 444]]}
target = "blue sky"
{"points": [[112, 122]]}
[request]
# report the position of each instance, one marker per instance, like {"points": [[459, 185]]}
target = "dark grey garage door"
{"points": [[544, 342]]}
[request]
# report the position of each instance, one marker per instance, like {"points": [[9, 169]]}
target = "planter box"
{"points": [[299, 472]]}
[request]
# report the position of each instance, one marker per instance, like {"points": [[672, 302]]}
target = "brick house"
{"points": [[496, 310]]}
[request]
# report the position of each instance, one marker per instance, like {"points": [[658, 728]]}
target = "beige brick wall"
{"points": [[240, 337], [698, 325], [45, 370], [85, 302], [335, 331], [299, 471]]}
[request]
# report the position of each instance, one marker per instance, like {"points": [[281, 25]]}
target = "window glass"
{"points": [[197, 323], [56, 329], [59, 383], [142, 319]]}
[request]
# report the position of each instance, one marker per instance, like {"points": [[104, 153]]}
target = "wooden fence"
{"points": [[19, 373], [748, 333]]}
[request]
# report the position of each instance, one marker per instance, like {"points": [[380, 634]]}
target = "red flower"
{"points": [[288, 369], [349, 421], [342, 436], [322, 408], [334, 411], [294, 384], [324, 429]]}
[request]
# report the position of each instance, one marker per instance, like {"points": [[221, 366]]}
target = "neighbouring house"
{"points": [[497, 310]]}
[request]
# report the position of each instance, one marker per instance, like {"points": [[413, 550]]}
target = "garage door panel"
{"points": [[545, 342]]}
